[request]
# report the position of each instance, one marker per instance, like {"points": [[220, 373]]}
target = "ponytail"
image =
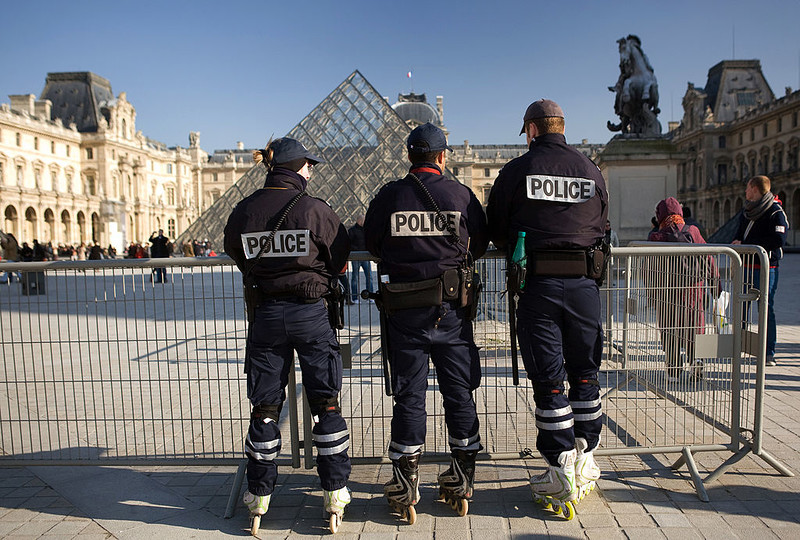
{"points": [[264, 155]]}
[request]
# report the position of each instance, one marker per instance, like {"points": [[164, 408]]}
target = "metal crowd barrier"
{"points": [[102, 365]]}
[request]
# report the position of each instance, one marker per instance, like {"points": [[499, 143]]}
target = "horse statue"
{"points": [[636, 103]]}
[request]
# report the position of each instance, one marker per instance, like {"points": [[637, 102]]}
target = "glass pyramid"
{"points": [[360, 137]]}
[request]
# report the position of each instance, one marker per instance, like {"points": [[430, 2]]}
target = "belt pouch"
{"points": [[415, 294]]}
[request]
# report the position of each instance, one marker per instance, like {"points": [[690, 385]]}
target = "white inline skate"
{"points": [[555, 488], [335, 502], [586, 470], [258, 505]]}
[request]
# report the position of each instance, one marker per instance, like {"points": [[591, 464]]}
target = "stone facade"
{"points": [[733, 129], [73, 168]]}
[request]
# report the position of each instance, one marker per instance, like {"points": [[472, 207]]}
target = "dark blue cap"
{"points": [[427, 138], [286, 150]]}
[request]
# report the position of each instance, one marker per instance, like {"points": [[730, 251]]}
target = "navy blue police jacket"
{"points": [[310, 248], [768, 231], [553, 193], [401, 228]]}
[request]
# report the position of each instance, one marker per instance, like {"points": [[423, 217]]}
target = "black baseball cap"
{"points": [[427, 138], [542, 108], [286, 149]]}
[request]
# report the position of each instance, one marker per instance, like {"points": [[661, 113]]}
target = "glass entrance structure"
{"points": [[360, 137]]}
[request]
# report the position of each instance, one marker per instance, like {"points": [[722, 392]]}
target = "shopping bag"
{"points": [[721, 319]]}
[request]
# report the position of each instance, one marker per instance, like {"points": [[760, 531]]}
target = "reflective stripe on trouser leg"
{"points": [[397, 450], [554, 422], [262, 446], [587, 411], [332, 441]]}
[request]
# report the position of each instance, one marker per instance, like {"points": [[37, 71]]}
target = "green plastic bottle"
{"points": [[520, 256]]}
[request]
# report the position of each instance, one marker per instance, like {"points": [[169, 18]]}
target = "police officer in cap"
{"points": [[558, 198], [425, 229], [290, 269]]}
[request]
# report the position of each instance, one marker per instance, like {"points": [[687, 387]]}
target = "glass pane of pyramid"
{"points": [[360, 137]]}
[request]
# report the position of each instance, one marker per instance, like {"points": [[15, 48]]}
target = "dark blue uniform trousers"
{"points": [[451, 347], [280, 328], [560, 337]]}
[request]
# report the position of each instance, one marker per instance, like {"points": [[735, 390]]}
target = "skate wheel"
{"points": [[334, 523], [255, 523], [568, 511], [557, 508], [463, 507], [411, 514], [441, 494]]}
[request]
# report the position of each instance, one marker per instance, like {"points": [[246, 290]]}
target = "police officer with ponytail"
{"points": [[290, 248], [558, 198]]}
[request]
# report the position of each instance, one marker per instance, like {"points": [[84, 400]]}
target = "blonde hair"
{"points": [[264, 155], [761, 183], [548, 124]]}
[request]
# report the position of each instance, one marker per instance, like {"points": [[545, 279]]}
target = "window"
{"points": [[752, 134], [169, 168], [52, 147], [764, 129], [1, 173], [67, 150], [740, 137], [794, 119], [90, 187], [171, 228], [455, 171], [486, 172], [780, 124], [745, 99], [36, 143], [171, 196], [89, 153], [19, 139], [37, 178], [113, 154], [20, 175], [486, 191], [722, 141], [722, 173], [215, 177]]}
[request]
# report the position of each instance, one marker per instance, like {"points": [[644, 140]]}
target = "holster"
{"points": [[252, 298], [334, 301], [597, 258], [515, 276]]}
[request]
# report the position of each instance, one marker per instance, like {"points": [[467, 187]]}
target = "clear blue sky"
{"points": [[242, 70]]}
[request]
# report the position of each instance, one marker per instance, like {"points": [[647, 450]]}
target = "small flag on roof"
{"points": [[408, 74]]}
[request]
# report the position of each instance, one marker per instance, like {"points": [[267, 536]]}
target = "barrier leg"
{"points": [[777, 465], [698, 482], [236, 489]]}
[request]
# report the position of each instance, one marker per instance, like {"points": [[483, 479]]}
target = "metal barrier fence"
{"points": [[102, 365]]}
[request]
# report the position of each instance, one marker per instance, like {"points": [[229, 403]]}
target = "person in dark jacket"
{"points": [[557, 197], [290, 248], [358, 243], [418, 245], [764, 224], [159, 249]]}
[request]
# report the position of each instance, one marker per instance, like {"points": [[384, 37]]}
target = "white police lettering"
{"points": [[423, 223], [780, 229], [560, 188], [284, 244]]}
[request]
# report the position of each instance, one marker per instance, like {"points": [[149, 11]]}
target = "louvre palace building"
{"points": [[73, 167]]}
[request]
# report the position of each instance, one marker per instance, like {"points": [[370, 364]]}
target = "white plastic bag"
{"points": [[721, 319]]}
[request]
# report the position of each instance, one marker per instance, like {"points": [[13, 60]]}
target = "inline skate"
{"points": [[335, 503], [456, 483], [402, 491], [258, 506], [555, 488]]}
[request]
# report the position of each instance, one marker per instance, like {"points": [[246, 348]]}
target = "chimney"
{"points": [[440, 108], [22, 103], [240, 145], [42, 108]]}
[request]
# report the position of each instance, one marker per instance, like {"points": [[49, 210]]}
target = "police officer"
{"points": [[425, 229], [557, 196], [289, 270]]}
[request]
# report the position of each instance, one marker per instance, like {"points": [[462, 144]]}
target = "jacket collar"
{"points": [[285, 178]]}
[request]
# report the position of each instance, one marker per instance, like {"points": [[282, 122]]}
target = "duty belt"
{"points": [[557, 263]]}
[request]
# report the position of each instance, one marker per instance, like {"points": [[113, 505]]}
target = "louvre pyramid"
{"points": [[360, 137]]}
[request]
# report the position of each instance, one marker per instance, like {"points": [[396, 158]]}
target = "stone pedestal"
{"points": [[639, 172]]}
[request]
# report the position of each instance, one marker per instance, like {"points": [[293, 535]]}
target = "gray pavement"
{"points": [[637, 497]]}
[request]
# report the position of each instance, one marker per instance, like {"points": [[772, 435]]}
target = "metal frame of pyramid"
{"points": [[360, 137]]}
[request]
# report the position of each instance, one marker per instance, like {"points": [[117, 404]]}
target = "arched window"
{"points": [[66, 227], [49, 226], [11, 220], [31, 228], [124, 129]]}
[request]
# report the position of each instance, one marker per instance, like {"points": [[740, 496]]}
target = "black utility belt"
{"points": [[290, 299], [558, 263], [459, 286]]}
